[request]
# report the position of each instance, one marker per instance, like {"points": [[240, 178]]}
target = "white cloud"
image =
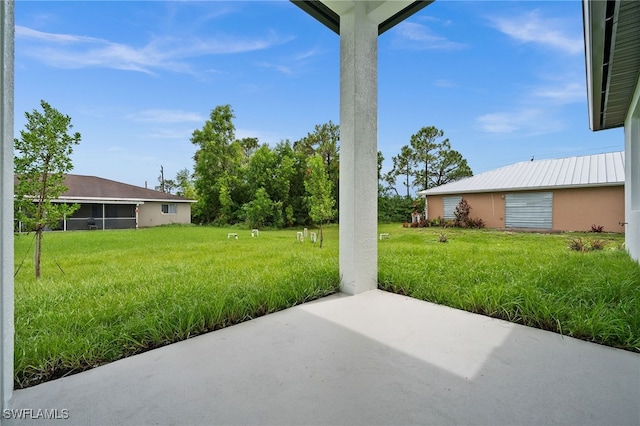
{"points": [[499, 122], [167, 116], [567, 93], [280, 68], [174, 134], [410, 35], [307, 54], [443, 82], [433, 19], [524, 122], [533, 28], [263, 136], [169, 53], [25, 32]]}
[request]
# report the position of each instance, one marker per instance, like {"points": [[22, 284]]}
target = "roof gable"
{"points": [[585, 171]]}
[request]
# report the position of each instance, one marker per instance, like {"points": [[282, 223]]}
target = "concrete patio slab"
{"points": [[374, 358]]}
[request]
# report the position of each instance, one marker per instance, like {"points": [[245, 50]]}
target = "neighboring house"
{"points": [[107, 204], [612, 52], [565, 194]]}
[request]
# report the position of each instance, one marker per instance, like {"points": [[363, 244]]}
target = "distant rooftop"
{"points": [[96, 188], [585, 171]]}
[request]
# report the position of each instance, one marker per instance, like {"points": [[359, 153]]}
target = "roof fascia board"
{"points": [[610, 34], [386, 13], [119, 200], [522, 189], [594, 14], [321, 12], [401, 15], [98, 201]]}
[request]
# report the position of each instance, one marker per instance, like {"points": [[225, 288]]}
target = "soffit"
{"points": [[385, 13], [612, 43]]}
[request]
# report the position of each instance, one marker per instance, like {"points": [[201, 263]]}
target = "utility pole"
{"points": [[161, 178]]}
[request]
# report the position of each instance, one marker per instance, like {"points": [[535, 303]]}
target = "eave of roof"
{"points": [[612, 43], [573, 172], [387, 13], [122, 200], [99, 190]]}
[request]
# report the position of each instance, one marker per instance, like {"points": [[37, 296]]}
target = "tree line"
{"points": [[234, 180], [242, 181]]}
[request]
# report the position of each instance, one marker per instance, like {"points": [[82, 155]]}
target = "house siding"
{"points": [[150, 214], [574, 209]]}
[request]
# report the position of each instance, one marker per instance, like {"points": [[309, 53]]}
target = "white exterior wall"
{"points": [[6, 194], [150, 214], [632, 174]]}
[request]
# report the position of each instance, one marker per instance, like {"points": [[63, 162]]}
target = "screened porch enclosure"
{"points": [[101, 216]]}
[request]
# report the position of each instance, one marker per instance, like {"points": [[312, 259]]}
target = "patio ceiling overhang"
{"points": [[612, 43], [385, 13]]}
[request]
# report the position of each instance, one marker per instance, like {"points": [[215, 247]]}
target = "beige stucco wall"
{"points": [[487, 206], [578, 209], [150, 214], [573, 209]]}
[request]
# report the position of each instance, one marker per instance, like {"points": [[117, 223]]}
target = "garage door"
{"points": [[450, 204], [529, 210]]}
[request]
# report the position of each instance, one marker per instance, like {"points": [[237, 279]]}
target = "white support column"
{"points": [[6, 195], [358, 150], [632, 176]]}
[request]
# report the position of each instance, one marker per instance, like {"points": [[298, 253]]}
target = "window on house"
{"points": [[169, 208]]}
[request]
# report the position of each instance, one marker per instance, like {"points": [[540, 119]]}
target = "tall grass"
{"points": [[531, 279], [105, 295]]}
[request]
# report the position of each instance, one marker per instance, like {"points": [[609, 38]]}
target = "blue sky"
{"points": [[504, 80]]}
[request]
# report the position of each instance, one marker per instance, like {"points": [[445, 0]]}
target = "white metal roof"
{"points": [[585, 171]]}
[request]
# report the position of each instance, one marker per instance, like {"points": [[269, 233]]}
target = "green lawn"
{"points": [[124, 292], [105, 295], [532, 279]]}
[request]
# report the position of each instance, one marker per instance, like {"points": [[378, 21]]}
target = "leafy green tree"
{"points": [[394, 208], [299, 212], [228, 207], [382, 188], [262, 170], [168, 186], [217, 160], [424, 145], [448, 166], [436, 163], [325, 142], [259, 211], [273, 170], [43, 156], [403, 165], [319, 189], [184, 184], [248, 145]]}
